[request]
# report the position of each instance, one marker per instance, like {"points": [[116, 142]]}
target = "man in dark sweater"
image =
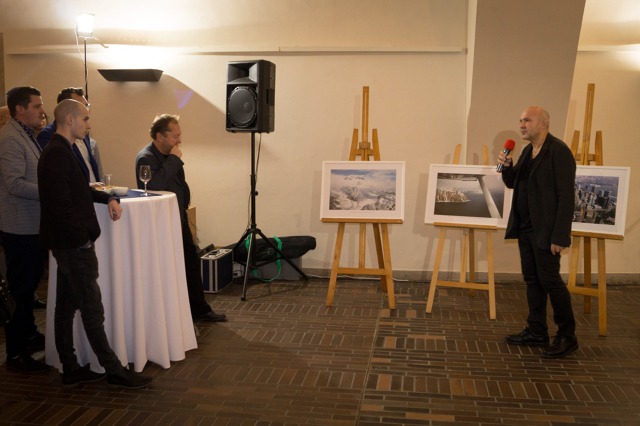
{"points": [[69, 226], [541, 214], [163, 154]]}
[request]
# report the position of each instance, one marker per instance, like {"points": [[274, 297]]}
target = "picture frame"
{"points": [[467, 195], [601, 200], [362, 191]]}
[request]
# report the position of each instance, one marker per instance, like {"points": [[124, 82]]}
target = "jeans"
{"points": [[541, 271], [25, 259], [77, 289]]}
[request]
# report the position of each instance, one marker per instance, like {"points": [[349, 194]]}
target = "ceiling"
{"points": [[611, 23], [607, 24]]}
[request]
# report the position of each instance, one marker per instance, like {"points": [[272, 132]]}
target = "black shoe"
{"points": [[39, 304], [128, 379], [81, 375], [561, 346], [212, 317], [26, 364], [35, 343], [527, 338]]}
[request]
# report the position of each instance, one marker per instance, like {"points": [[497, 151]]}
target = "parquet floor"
{"points": [[286, 359]]}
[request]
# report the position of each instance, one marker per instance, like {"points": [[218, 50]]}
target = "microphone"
{"points": [[508, 147]]}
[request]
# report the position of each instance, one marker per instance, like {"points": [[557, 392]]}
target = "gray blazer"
{"points": [[19, 198]]}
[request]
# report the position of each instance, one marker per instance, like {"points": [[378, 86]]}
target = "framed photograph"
{"points": [[467, 195], [601, 199], [354, 191]]}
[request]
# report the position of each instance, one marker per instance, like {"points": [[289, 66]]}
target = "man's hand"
{"points": [[555, 249], [505, 160], [175, 150], [115, 211]]}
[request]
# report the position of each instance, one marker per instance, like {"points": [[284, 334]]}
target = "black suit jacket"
{"points": [[550, 192], [67, 216]]}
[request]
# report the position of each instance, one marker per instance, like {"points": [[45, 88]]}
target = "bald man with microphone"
{"points": [[543, 181]]}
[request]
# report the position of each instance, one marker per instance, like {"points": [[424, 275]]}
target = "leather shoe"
{"points": [[527, 338], [561, 346], [81, 375], [35, 343], [26, 364], [128, 379], [212, 317]]}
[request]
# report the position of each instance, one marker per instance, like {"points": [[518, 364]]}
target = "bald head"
{"points": [[65, 108], [534, 124], [539, 112], [72, 119]]}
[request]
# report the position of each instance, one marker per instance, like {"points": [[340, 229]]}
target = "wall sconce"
{"points": [[84, 28]]}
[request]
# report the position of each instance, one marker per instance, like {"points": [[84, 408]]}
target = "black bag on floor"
{"points": [[292, 247], [7, 304]]}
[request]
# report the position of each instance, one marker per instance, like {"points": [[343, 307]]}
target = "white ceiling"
{"points": [[606, 23], [611, 23]]}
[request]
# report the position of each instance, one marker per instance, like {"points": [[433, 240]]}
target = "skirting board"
{"points": [[503, 277]]}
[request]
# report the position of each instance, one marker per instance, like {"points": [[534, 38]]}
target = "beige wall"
{"points": [[3, 101], [615, 112], [518, 62], [412, 58]]}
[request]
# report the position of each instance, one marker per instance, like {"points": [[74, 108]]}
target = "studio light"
{"points": [[85, 24]]}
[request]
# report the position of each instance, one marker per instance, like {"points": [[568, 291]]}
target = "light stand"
{"points": [[84, 29], [86, 74], [253, 231]]}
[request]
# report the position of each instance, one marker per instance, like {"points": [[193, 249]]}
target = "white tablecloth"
{"points": [[143, 285]]}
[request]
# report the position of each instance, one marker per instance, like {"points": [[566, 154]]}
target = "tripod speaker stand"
{"points": [[253, 231]]}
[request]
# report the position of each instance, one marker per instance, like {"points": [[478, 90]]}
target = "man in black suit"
{"points": [[543, 180], [69, 227]]}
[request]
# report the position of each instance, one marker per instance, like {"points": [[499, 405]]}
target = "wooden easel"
{"points": [[468, 247], [380, 229], [584, 158]]}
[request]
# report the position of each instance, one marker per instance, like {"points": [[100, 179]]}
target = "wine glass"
{"points": [[145, 176]]}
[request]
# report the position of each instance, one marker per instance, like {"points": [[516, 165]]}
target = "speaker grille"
{"points": [[243, 106], [251, 96]]}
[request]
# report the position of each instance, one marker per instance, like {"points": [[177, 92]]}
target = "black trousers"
{"points": [[77, 289], [195, 287], [541, 272], [25, 265]]}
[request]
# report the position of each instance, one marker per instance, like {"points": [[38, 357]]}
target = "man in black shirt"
{"points": [[163, 154], [541, 215]]}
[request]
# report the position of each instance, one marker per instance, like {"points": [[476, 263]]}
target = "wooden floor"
{"points": [[286, 359]]}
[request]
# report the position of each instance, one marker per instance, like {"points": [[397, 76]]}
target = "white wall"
{"points": [[411, 56], [416, 103], [519, 62]]}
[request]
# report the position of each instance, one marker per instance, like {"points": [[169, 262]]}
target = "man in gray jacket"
{"points": [[20, 224]]}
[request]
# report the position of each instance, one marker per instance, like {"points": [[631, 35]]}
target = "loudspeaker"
{"points": [[251, 96]]}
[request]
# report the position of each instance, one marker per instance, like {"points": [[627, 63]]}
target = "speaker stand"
{"points": [[253, 231]]}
